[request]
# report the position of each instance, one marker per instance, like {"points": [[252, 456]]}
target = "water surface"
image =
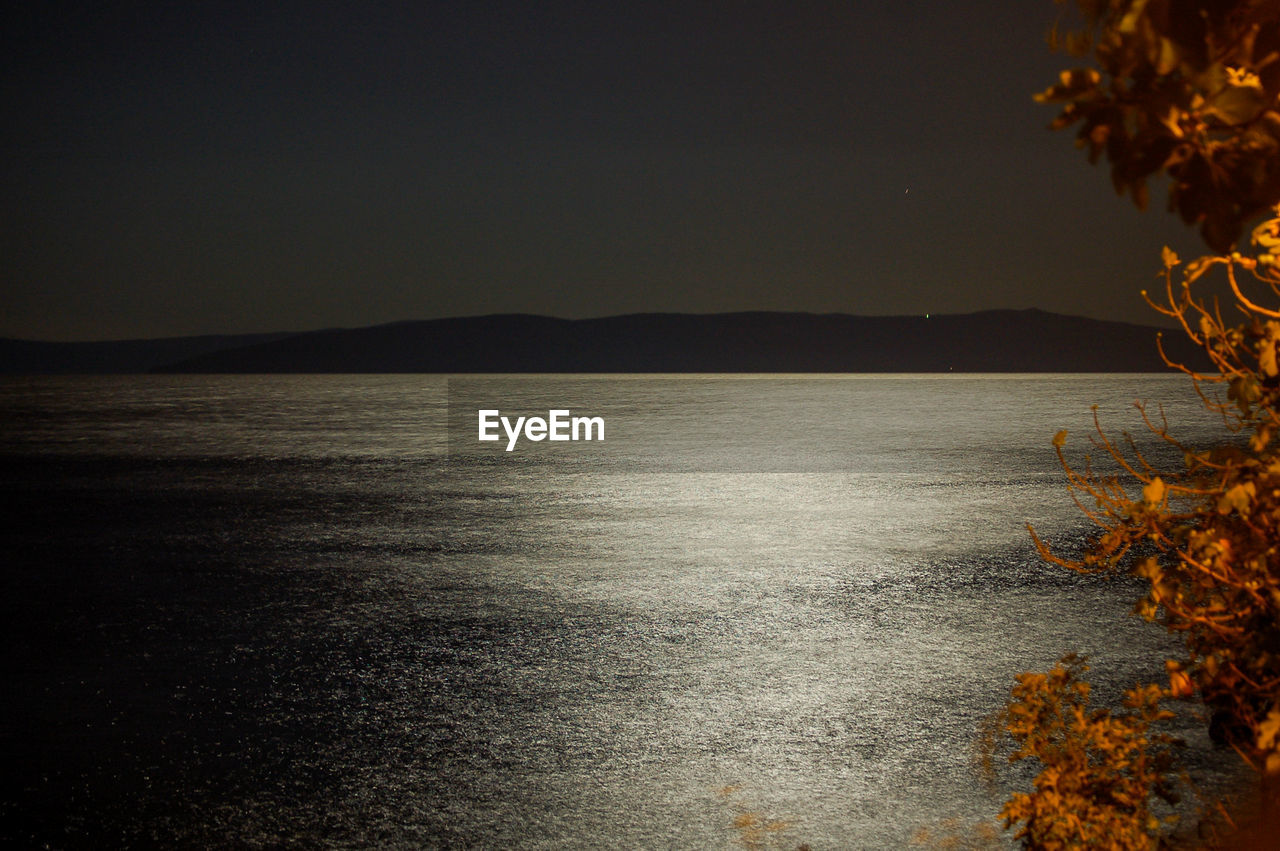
{"points": [[258, 610]]}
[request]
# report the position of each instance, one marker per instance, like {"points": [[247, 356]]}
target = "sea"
{"points": [[752, 611]]}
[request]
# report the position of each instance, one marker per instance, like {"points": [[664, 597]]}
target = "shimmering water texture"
{"points": [[258, 611]]}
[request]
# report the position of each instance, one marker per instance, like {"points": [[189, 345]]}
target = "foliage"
{"points": [[1206, 540], [753, 829], [1207, 537], [1100, 769], [1190, 88]]}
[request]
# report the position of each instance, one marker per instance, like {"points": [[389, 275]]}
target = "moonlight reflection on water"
{"points": [[257, 610]]}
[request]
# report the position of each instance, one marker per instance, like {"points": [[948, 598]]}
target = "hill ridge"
{"points": [[999, 340]]}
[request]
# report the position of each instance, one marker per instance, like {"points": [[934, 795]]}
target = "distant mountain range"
{"points": [[989, 341], [115, 356]]}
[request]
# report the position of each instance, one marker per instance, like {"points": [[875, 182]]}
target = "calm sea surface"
{"points": [[264, 610]]}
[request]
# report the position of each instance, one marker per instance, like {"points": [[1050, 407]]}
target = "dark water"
{"points": [[260, 611]]}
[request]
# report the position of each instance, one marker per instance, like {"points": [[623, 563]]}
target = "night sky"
{"points": [[177, 169]]}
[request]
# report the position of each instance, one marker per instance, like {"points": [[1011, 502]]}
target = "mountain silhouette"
{"points": [[988, 341]]}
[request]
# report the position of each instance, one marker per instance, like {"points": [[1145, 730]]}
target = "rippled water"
{"points": [[262, 610]]}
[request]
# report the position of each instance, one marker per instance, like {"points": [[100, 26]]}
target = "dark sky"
{"points": [[176, 168]]}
